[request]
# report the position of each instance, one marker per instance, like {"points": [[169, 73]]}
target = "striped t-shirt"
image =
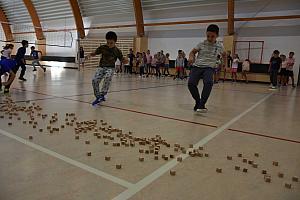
{"points": [[208, 53]]}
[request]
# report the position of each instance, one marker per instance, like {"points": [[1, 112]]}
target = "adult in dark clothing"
{"points": [[275, 63], [20, 59], [131, 57]]}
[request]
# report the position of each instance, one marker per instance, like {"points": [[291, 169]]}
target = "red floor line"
{"points": [[149, 114], [266, 136]]}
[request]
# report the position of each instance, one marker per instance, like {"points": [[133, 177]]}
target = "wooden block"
{"points": [[172, 156], [237, 168], [34, 126], [295, 179], [48, 127], [191, 145], [219, 170], [166, 158], [77, 137], [9, 123], [179, 159], [206, 155], [280, 175], [267, 179], [19, 118], [35, 123], [41, 130], [176, 149], [156, 152], [229, 157], [107, 158], [87, 142], [118, 166], [155, 157], [147, 151], [275, 163], [250, 162], [288, 185], [51, 131], [1, 117], [240, 155], [89, 153], [99, 136], [141, 150], [141, 159], [264, 171], [62, 126], [105, 143], [24, 122], [245, 160], [30, 137], [256, 154], [245, 170], [172, 172], [254, 165]]}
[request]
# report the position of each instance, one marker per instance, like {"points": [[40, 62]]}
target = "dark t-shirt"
{"points": [[275, 63], [229, 61], [109, 55], [20, 54], [131, 57], [81, 54], [35, 54]]}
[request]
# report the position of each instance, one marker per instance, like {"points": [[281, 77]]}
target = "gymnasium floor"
{"points": [[242, 118]]}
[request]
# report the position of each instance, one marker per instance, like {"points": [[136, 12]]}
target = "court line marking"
{"points": [[135, 188], [262, 135], [68, 160]]}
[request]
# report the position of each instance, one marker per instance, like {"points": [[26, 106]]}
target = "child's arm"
{"points": [[11, 78], [98, 51]]}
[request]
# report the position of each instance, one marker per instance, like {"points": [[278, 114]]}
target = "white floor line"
{"points": [[168, 166], [68, 160]]}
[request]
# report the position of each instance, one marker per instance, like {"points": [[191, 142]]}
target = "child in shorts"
{"points": [[245, 69], [7, 66], [289, 68], [234, 67]]}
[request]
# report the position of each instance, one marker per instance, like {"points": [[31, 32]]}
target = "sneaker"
{"points": [[44, 68], [6, 91], [22, 79], [34, 70], [196, 106], [202, 109], [96, 102]]}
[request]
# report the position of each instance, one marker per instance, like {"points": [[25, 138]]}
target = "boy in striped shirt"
{"points": [[203, 66]]}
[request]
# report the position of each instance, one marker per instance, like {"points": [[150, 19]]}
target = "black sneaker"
{"points": [[197, 105], [44, 68], [22, 79], [202, 109], [6, 91], [34, 70]]}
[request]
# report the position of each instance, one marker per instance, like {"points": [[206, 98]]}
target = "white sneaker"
{"points": [[202, 110]]}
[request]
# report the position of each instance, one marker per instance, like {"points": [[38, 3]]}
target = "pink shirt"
{"points": [[290, 63], [149, 58]]}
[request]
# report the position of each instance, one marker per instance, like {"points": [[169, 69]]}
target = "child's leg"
{"points": [[193, 82], [108, 74], [33, 64], [23, 70], [207, 87], [96, 81]]}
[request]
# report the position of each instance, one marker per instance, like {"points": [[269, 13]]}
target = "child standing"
{"points": [[7, 66], [179, 65], [149, 61], [36, 58], [20, 59], [228, 66], [245, 69], [289, 67], [234, 67], [275, 63], [218, 69], [153, 65], [283, 72], [158, 64], [6, 52], [167, 65], [203, 66], [110, 53], [81, 57], [141, 61]]}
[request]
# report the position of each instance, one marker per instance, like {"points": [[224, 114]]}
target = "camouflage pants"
{"points": [[105, 75]]}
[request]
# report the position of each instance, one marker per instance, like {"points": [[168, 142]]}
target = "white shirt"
{"points": [[235, 63]]}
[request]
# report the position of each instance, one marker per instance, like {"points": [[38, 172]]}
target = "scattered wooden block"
{"points": [[172, 172], [254, 165], [9, 123], [166, 158], [118, 166], [191, 146], [201, 148], [141, 150], [229, 157], [107, 158], [62, 126], [1, 117], [280, 175], [105, 143], [176, 149], [99, 136], [19, 118], [89, 153], [219, 170], [240, 155], [147, 151], [172, 156], [256, 154], [48, 127], [155, 157], [275, 163], [250, 162], [34, 126], [76, 137], [206, 155], [288, 185], [267, 178], [245, 170], [141, 159], [24, 122], [30, 137], [295, 179], [41, 130], [237, 168], [264, 171], [245, 160], [179, 159], [35, 123], [10, 117], [87, 142]]}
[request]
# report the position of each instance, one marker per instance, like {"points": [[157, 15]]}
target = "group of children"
{"points": [[9, 66]]}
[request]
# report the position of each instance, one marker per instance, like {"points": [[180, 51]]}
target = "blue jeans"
{"points": [[207, 74]]}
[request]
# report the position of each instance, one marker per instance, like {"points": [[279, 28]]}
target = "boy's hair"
{"points": [[276, 52], [219, 56], [111, 36], [24, 42], [179, 51], [32, 47], [167, 54], [213, 28], [292, 53]]}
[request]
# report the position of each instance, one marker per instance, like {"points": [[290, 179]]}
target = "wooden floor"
{"points": [[242, 118]]}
